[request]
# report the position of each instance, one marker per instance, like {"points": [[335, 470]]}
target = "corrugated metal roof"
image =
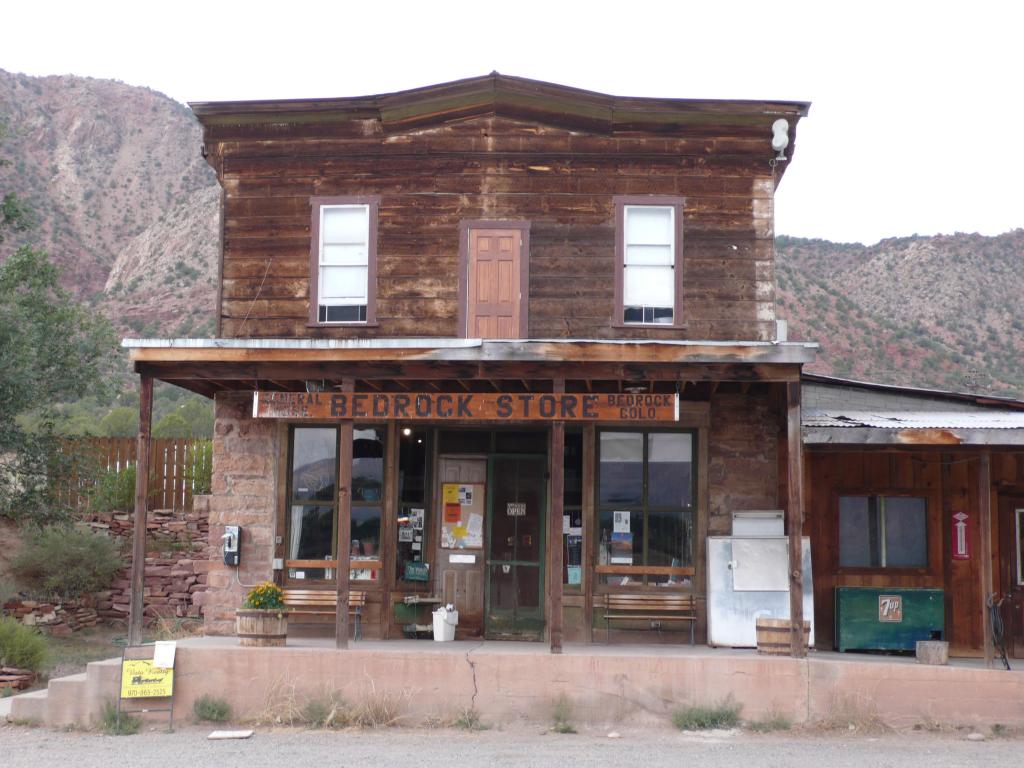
{"points": [[989, 419]]}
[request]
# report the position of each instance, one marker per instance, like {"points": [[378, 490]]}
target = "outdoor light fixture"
{"points": [[780, 137], [406, 431]]}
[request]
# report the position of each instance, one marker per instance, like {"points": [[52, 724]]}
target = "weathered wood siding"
{"points": [[493, 168], [949, 483]]}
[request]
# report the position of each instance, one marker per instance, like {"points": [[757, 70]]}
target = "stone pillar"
{"points": [[244, 492]]}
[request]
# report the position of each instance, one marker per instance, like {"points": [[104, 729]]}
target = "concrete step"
{"points": [[67, 703], [28, 707]]}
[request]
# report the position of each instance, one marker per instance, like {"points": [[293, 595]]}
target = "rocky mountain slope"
{"points": [[940, 311], [124, 202], [129, 209]]}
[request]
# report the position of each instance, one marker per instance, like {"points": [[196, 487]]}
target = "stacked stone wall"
{"points": [[244, 493]]}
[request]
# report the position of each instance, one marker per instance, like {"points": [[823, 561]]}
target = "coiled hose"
{"points": [[998, 629]]}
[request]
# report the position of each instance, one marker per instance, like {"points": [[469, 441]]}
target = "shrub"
{"points": [[561, 714], [211, 709], [469, 720], [128, 725], [66, 562], [113, 490], [21, 646], [725, 714], [265, 596], [773, 721], [327, 711]]}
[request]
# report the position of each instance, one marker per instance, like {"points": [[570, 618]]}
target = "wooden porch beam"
{"points": [[344, 524], [136, 605], [795, 520], [985, 532], [241, 374]]}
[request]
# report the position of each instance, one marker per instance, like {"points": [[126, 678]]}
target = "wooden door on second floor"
{"points": [[495, 280]]}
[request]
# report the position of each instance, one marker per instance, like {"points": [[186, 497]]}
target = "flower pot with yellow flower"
{"points": [[262, 620]]}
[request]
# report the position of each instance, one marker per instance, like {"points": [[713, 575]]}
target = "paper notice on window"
{"points": [[416, 518], [620, 522], [565, 525], [476, 526], [450, 492], [163, 654], [405, 534], [466, 495]]}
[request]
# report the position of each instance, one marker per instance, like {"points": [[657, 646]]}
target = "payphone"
{"points": [[232, 544]]}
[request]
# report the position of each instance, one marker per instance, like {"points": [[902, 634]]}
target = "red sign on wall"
{"points": [[961, 547]]}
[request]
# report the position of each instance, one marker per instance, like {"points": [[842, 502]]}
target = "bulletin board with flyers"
{"points": [[462, 515]]}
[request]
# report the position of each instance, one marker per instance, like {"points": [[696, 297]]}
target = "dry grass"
{"points": [[174, 628], [282, 705], [847, 713], [380, 709]]}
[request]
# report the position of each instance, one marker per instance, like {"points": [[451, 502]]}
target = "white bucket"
{"points": [[445, 621]]}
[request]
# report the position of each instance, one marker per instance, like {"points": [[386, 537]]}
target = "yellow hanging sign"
{"points": [[141, 680]]}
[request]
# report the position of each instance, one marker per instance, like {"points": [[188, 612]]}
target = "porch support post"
{"points": [[344, 524], [557, 471], [985, 531], [589, 524], [387, 549], [136, 605], [795, 519]]}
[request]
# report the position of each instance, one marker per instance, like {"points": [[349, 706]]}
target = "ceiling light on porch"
{"points": [[406, 431], [635, 387]]}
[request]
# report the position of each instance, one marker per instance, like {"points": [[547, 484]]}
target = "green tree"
{"points": [[171, 425], [15, 214], [120, 422], [53, 350]]}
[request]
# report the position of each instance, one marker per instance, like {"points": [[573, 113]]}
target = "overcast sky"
{"points": [[917, 123]]}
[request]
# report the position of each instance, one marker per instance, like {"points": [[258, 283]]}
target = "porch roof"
{"points": [[209, 365], [839, 412]]}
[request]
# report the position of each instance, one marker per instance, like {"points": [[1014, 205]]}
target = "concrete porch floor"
{"points": [[605, 684]]}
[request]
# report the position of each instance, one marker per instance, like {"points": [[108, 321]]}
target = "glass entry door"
{"points": [[515, 562]]}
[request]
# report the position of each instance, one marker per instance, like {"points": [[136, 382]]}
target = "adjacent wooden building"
{"points": [[502, 344]]}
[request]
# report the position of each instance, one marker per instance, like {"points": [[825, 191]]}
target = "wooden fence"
{"points": [[178, 469]]}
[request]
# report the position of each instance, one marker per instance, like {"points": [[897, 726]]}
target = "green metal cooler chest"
{"points": [[868, 618]]}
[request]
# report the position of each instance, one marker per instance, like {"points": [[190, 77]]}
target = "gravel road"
{"points": [[516, 746]]}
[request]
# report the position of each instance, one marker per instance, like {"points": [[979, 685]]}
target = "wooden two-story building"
{"points": [[496, 342]]}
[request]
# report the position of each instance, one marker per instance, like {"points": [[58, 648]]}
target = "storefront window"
{"points": [[645, 507], [413, 451], [572, 501], [314, 471], [313, 503], [367, 492]]}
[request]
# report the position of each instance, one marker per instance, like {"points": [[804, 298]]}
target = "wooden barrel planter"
{"points": [[261, 628], [773, 636]]}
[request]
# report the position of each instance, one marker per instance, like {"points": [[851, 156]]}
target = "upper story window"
{"points": [[343, 260], [649, 270]]}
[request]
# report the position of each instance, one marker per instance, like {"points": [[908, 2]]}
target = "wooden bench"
{"points": [[324, 602], [652, 608]]}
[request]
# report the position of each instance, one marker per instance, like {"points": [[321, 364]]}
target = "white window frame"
{"points": [[367, 302], [623, 206]]}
